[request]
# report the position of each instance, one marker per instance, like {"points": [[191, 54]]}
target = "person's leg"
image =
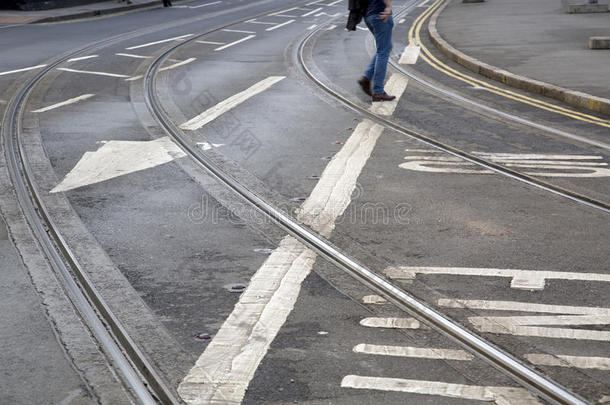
{"points": [[370, 70], [383, 41]]}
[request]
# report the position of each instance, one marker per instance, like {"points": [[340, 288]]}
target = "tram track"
{"points": [[511, 366]]}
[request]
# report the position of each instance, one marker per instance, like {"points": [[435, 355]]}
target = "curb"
{"points": [[94, 13], [571, 97]]}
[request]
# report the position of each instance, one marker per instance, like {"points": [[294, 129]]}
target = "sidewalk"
{"points": [[533, 39], [72, 13]]}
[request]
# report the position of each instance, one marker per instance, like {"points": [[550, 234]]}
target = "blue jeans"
{"points": [[382, 31]]}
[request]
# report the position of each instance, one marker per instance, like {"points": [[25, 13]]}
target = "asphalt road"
{"points": [[227, 307]]}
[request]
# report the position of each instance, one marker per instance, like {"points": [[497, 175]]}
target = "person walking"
{"points": [[378, 19]]}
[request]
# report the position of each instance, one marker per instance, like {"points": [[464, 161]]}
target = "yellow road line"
{"points": [[415, 38]]}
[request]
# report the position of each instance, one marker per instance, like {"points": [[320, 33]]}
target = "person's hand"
{"points": [[385, 14]]}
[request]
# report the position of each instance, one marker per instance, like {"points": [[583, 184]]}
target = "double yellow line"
{"points": [[428, 57]]}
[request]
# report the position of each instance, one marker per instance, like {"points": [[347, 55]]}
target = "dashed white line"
{"points": [[279, 25], [206, 4], [311, 12], [597, 363], [499, 395], [239, 31], [131, 55], [22, 70], [159, 42], [391, 323], [63, 103], [209, 42], [92, 72], [410, 55], [230, 103], [413, 352], [83, 58], [239, 41], [521, 279]]}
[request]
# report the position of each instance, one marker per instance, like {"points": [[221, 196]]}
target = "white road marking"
{"points": [[209, 42], [118, 158], [313, 2], [131, 55], [279, 25], [333, 3], [239, 31], [413, 352], [423, 3], [92, 73], [159, 42], [374, 299], [206, 4], [395, 86], [224, 370], [498, 395], [311, 12], [521, 279], [410, 55], [605, 399], [546, 165], [597, 363], [331, 27], [3, 102], [239, 41], [208, 146], [282, 12], [362, 28], [63, 103], [391, 323], [173, 66], [402, 21], [260, 22], [530, 325], [83, 58], [230, 103], [22, 70], [311, 27], [329, 15]]}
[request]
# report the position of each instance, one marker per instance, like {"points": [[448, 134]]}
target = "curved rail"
{"points": [[508, 364]]}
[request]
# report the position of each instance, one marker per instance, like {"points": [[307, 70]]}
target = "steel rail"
{"points": [[508, 364], [135, 369]]}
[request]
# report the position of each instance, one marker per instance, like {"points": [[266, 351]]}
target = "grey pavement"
{"points": [[535, 39], [72, 13]]}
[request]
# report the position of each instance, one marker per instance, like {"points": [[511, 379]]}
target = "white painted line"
{"points": [[239, 41], [277, 13], [523, 156], [413, 352], [63, 103], [208, 146], [597, 363], [228, 104], [133, 78], [279, 25], [118, 158], [402, 21], [530, 325], [177, 64], [210, 42], [239, 31], [333, 3], [391, 323], [331, 27], [83, 58], [498, 395], [410, 55], [521, 279], [261, 22], [311, 12], [374, 299], [395, 86], [313, 2], [311, 27], [22, 70], [604, 400], [3, 102], [92, 72], [331, 194], [130, 55], [206, 4], [423, 3], [160, 42], [224, 370]]}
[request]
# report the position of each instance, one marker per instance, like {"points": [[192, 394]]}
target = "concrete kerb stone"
{"points": [[568, 96]]}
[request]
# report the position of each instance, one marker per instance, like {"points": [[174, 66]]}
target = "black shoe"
{"points": [[383, 97], [366, 85]]}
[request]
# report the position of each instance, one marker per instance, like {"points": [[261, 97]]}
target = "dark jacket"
{"points": [[357, 10]]}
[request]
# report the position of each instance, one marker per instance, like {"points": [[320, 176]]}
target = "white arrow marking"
{"points": [[118, 158]]}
